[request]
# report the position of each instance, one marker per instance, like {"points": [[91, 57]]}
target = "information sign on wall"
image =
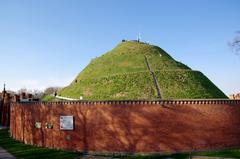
{"points": [[66, 123]]}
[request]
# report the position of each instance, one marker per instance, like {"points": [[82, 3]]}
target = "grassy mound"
{"points": [[128, 57], [186, 84], [123, 73], [123, 86]]}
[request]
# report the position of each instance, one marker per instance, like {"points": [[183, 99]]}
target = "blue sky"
{"points": [[48, 42]]}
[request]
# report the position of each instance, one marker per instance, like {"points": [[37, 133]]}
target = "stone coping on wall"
{"points": [[140, 102], [124, 154]]}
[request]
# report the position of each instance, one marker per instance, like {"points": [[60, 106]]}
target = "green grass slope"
{"points": [[122, 73], [186, 84], [137, 85], [48, 98], [128, 57]]}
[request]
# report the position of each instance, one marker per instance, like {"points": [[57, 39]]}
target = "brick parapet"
{"points": [[141, 102]]}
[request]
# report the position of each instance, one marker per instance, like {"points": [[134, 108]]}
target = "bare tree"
{"points": [[235, 44], [23, 90], [51, 90], [37, 93]]}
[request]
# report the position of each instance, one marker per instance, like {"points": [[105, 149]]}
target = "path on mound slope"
{"points": [[154, 77]]}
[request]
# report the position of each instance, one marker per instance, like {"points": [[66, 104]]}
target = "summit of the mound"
{"points": [[129, 57], [136, 70]]}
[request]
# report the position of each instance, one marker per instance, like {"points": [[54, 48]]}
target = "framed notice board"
{"points": [[66, 123]]}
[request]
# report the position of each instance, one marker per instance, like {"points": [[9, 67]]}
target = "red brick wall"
{"points": [[166, 126], [4, 112]]}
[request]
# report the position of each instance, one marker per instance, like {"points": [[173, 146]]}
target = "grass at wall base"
{"points": [[21, 150]]}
